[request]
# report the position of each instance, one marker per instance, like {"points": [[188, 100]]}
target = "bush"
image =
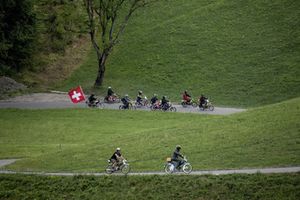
{"points": [[18, 30]]}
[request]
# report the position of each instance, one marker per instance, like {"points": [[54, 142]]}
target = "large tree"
{"points": [[107, 21]]}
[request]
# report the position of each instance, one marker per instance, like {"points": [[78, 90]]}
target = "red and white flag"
{"points": [[76, 95]]}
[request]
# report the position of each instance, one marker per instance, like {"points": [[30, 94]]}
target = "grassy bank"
{"points": [[240, 53], [259, 186], [83, 139]]}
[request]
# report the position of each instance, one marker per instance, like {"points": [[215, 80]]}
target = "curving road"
{"points": [[54, 100]]}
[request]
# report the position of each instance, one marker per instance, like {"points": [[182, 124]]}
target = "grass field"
{"points": [[83, 139], [259, 186], [240, 53]]}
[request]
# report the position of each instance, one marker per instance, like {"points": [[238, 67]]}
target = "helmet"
{"points": [[118, 149], [109, 87], [140, 92], [155, 95], [126, 95], [178, 147], [164, 97]]}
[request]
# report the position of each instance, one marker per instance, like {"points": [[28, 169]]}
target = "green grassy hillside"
{"points": [[259, 186], [83, 139], [240, 53]]}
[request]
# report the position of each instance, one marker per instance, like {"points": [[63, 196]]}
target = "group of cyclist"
{"points": [[163, 103], [117, 158], [187, 98]]}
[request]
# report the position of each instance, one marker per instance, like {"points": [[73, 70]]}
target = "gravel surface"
{"points": [[9, 85], [199, 172], [61, 100], [7, 162]]}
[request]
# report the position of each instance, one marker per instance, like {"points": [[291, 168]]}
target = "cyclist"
{"points": [[177, 157], [92, 99], [110, 93], [164, 103], [202, 101], [125, 100], [154, 99], [186, 97], [139, 97], [116, 159]]}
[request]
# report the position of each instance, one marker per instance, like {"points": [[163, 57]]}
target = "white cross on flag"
{"points": [[76, 95]]}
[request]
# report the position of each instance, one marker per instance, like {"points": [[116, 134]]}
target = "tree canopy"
{"points": [[31, 30], [17, 34]]}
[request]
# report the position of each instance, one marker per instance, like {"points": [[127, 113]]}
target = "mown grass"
{"points": [[259, 186], [83, 139], [240, 53]]}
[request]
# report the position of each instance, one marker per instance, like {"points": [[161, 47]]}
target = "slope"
{"points": [[240, 53], [83, 140]]}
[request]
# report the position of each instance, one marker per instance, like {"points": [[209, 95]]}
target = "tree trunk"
{"points": [[100, 75], [101, 71]]}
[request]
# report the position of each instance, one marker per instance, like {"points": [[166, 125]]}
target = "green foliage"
{"points": [[240, 53], [258, 186], [59, 23], [17, 34], [30, 31], [83, 139]]}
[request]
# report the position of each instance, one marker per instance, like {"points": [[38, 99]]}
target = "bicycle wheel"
{"points": [[125, 169], [187, 168], [211, 107], [146, 104], [169, 168], [109, 169], [194, 104], [100, 105], [152, 108], [130, 106], [173, 109]]}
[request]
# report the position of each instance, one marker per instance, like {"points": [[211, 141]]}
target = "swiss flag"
{"points": [[76, 95]]}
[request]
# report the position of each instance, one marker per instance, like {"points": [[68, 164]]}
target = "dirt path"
{"points": [[55, 100], [198, 173], [7, 162]]}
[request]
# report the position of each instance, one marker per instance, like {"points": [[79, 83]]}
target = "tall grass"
{"points": [[259, 186]]}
